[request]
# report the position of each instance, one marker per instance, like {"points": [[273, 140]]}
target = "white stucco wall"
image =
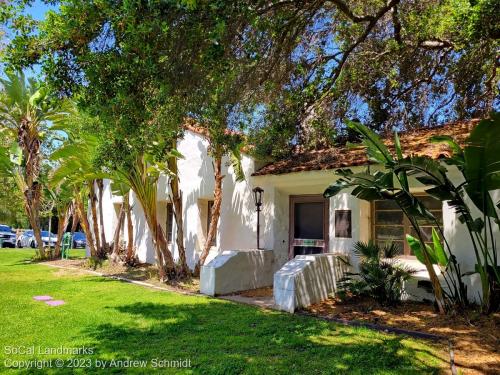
{"points": [[196, 181], [237, 226], [238, 217]]}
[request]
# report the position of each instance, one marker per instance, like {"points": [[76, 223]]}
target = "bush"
{"points": [[380, 275], [93, 263]]}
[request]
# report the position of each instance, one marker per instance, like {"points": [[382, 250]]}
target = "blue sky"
{"points": [[37, 11]]}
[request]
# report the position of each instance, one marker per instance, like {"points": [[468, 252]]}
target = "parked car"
{"points": [[24, 239], [8, 236], [46, 239], [79, 240]]}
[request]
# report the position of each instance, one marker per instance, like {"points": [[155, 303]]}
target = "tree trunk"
{"points": [[63, 219], [95, 222], [29, 142], [32, 208], [80, 209], [176, 198], [100, 186], [75, 221], [145, 190], [166, 265], [436, 285], [116, 237], [212, 230], [130, 228]]}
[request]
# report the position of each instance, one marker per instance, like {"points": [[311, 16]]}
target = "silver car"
{"points": [[7, 236], [48, 239], [24, 240]]}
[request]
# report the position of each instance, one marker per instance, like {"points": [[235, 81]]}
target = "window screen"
{"points": [[391, 225], [343, 223]]}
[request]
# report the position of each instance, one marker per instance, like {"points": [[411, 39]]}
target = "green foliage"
{"points": [[94, 263], [482, 164], [143, 67], [380, 185], [479, 163], [376, 150], [380, 276], [11, 204], [436, 253]]}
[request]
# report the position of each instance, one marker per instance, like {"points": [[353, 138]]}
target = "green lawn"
{"points": [[123, 321]]}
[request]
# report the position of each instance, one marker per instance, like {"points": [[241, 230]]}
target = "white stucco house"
{"points": [[296, 222]]}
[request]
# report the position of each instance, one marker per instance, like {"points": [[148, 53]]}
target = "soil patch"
{"points": [[259, 292], [475, 337], [142, 272]]}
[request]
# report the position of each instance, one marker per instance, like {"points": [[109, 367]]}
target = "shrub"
{"points": [[93, 263], [380, 275]]}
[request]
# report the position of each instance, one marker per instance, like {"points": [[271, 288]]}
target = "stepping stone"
{"points": [[42, 298], [56, 302]]}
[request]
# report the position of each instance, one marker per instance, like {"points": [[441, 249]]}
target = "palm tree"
{"points": [[380, 275], [77, 172], [27, 111], [100, 189], [176, 199], [121, 188], [222, 142], [142, 178], [62, 200]]}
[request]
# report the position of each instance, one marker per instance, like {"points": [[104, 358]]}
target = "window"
{"points": [[390, 223], [170, 221], [209, 219], [343, 223]]}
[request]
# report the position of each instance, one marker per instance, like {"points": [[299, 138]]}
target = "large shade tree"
{"points": [[137, 65], [388, 64]]}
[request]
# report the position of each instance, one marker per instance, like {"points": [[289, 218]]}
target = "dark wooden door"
{"points": [[308, 225]]}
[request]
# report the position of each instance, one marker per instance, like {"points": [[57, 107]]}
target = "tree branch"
{"points": [[396, 25], [344, 8], [360, 40], [435, 44]]}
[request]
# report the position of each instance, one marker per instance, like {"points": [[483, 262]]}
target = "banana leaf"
{"points": [[439, 253], [416, 247]]}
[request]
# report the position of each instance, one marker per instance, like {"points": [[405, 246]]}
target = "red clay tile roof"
{"points": [[192, 125], [412, 142]]}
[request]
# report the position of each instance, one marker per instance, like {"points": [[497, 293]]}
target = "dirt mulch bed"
{"points": [[142, 272], [475, 337]]}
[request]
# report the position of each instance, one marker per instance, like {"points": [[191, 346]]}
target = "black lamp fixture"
{"points": [[257, 196]]}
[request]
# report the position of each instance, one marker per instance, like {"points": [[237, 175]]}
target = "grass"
{"points": [[123, 321]]}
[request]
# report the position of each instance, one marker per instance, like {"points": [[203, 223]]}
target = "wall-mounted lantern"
{"points": [[257, 196]]}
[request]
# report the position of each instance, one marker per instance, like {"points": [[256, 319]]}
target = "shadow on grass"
{"points": [[223, 338]]}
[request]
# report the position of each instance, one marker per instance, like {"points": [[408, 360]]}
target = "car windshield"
{"points": [[46, 234], [78, 236], [5, 228], [28, 233]]}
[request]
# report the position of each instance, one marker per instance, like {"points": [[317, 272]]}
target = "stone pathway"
{"points": [[266, 302]]}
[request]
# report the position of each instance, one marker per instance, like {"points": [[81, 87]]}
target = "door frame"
{"points": [[305, 198]]}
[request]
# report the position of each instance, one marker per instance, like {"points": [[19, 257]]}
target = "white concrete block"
{"points": [[236, 270], [307, 279]]}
